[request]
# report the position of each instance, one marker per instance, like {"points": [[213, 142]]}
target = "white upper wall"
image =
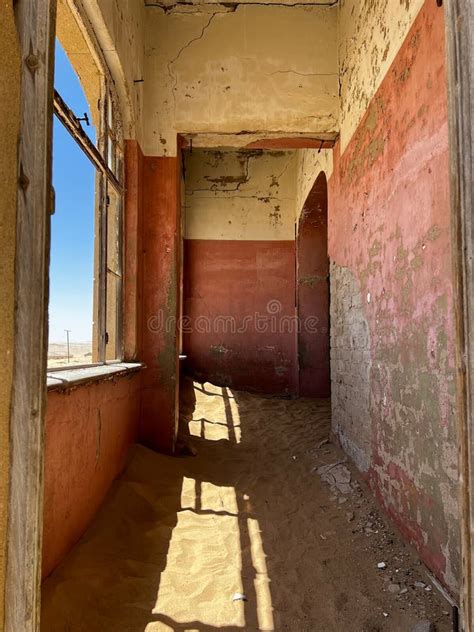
{"points": [[255, 68], [240, 195], [217, 69]]}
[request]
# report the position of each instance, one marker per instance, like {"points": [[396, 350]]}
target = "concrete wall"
{"points": [[9, 129], [391, 278], [88, 433], [239, 268], [241, 69]]}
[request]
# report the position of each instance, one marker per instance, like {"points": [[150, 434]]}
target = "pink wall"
{"points": [[389, 243], [88, 433]]}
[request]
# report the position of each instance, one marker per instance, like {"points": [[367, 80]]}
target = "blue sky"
{"points": [[72, 225]]}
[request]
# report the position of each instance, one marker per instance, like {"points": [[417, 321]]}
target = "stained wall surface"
{"points": [[228, 72], [118, 28], [9, 129], [88, 433], [369, 38], [239, 268], [241, 69], [391, 288]]}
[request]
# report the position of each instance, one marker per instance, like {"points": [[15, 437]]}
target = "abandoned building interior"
{"points": [[265, 425]]}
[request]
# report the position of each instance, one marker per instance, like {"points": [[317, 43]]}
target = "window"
{"points": [[86, 228]]}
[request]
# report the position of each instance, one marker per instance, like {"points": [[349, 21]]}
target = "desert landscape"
{"points": [[79, 353]]}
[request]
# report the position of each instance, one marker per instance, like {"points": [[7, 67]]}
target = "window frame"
{"points": [[107, 159]]}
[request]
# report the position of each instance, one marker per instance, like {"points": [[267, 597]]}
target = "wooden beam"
{"points": [[459, 36], [36, 27]]}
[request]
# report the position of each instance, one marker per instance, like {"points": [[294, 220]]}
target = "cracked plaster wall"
{"points": [[240, 195], [239, 268], [255, 68]]}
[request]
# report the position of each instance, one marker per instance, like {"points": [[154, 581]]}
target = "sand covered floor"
{"points": [[245, 536]]}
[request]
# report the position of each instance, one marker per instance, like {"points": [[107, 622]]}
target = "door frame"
{"points": [[459, 24], [35, 20], [36, 27]]}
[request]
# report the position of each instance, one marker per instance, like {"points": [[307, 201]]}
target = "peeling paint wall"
{"points": [[9, 130], [118, 26], [351, 365], [370, 36], [241, 69], [240, 195], [310, 164], [239, 268], [389, 242]]}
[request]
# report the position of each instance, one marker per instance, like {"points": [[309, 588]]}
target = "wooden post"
{"points": [[36, 27]]}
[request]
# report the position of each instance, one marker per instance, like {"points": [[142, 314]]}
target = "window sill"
{"points": [[70, 378]]}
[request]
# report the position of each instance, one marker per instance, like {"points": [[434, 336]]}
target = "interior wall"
{"points": [[239, 269], [369, 39], [391, 291], [88, 432], [239, 69], [9, 130]]}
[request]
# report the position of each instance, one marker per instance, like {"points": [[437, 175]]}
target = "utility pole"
{"points": [[68, 331]]}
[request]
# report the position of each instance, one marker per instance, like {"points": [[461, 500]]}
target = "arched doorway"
{"points": [[313, 293]]}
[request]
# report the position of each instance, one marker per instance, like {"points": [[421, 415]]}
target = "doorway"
{"points": [[312, 293]]}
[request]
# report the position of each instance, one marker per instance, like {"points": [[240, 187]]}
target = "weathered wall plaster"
{"points": [[240, 268], [9, 130], [389, 240], [310, 164], [370, 36], [245, 195], [255, 68], [351, 364], [118, 26], [78, 49], [88, 433]]}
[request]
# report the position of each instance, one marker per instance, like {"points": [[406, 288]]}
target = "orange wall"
{"points": [[160, 310], [87, 436]]}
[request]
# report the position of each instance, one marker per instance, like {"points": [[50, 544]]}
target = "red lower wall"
{"points": [[389, 239], [239, 308], [88, 433]]}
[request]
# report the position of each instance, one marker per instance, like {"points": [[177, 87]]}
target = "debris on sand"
{"points": [[337, 475]]}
